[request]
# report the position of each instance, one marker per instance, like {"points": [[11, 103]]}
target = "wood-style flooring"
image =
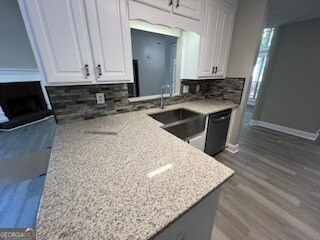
{"points": [[275, 193], [19, 202], [29, 138]]}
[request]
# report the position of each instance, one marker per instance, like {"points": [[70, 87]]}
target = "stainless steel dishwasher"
{"points": [[217, 132]]}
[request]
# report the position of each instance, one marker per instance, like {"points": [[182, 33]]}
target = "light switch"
{"points": [[100, 98], [198, 88]]}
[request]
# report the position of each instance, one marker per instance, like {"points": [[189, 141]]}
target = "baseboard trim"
{"points": [[287, 130], [232, 148]]}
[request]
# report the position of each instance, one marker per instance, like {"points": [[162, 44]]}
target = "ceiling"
{"points": [[292, 11]]}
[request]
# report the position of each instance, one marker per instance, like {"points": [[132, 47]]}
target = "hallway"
{"points": [[275, 193]]}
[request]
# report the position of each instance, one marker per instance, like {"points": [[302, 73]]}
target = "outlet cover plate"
{"points": [[198, 88], [100, 98], [185, 89]]}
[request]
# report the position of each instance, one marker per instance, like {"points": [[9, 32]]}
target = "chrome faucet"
{"points": [[162, 102]]}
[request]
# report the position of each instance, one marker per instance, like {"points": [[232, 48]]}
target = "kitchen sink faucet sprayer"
{"points": [[171, 95]]}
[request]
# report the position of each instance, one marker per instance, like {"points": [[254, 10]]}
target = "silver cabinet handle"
{"points": [[99, 71], [86, 71], [214, 70]]}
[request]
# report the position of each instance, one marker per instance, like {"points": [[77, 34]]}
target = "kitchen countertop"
{"points": [[205, 106], [103, 179]]}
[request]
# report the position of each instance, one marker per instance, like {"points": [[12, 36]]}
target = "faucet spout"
{"points": [[162, 90]]}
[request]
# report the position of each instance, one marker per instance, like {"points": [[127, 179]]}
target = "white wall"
{"points": [[290, 93], [171, 53], [153, 54], [15, 48], [249, 24]]}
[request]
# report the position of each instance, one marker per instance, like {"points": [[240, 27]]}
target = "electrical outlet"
{"points": [[185, 89], [100, 98], [198, 88]]}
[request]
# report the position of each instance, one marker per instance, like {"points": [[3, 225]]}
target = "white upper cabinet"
{"points": [[209, 40], [227, 14], [216, 38], [214, 43], [80, 42], [188, 8], [183, 14], [110, 37], [165, 5], [61, 36]]}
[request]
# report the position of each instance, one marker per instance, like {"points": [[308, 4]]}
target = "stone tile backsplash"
{"points": [[74, 103], [228, 89]]}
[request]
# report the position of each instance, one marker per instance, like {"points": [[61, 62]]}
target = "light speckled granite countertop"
{"points": [[100, 182]]}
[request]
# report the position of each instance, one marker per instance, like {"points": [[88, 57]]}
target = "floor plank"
{"points": [[275, 193], [30, 138], [19, 202]]}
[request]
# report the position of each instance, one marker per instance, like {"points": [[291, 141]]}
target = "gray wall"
{"points": [[249, 24], [15, 48], [290, 94], [153, 54]]}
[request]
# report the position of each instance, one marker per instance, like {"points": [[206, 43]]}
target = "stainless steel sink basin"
{"points": [[187, 128], [173, 115], [181, 122]]}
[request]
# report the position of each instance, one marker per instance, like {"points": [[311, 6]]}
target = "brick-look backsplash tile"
{"points": [[74, 103]]}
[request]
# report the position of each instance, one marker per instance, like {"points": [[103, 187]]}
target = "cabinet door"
{"points": [[209, 40], [61, 35], [165, 5], [198, 142], [188, 8], [227, 15], [111, 40]]}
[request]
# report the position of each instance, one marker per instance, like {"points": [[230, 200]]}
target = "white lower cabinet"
{"points": [[198, 141], [197, 223], [80, 42]]}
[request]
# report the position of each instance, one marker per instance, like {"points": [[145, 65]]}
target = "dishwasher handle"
{"points": [[220, 118]]}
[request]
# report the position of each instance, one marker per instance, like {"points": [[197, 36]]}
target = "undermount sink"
{"points": [[173, 115], [181, 122]]}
